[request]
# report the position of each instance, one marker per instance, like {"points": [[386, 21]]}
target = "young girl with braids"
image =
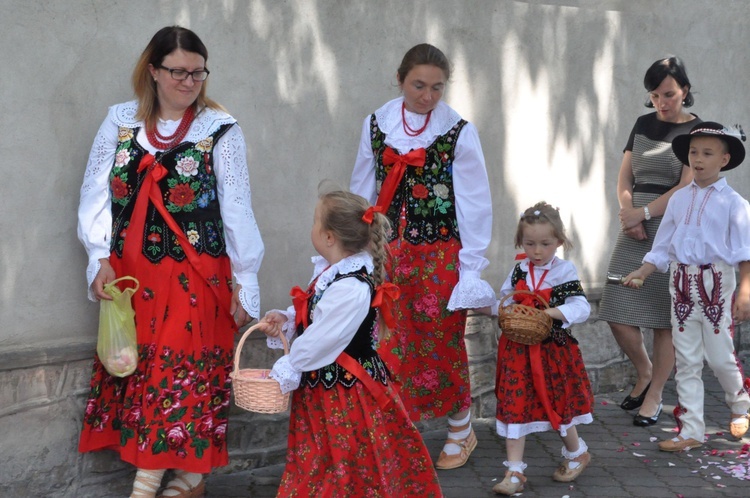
{"points": [[543, 386], [349, 433]]}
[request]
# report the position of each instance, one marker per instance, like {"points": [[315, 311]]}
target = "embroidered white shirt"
{"points": [[701, 226], [470, 185], [576, 308], [244, 245], [342, 308]]}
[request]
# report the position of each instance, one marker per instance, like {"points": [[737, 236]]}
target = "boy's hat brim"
{"points": [[733, 139]]}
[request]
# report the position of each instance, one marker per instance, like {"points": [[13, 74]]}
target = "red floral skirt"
{"points": [[343, 444], [172, 412], [565, 378], [426, 353]]}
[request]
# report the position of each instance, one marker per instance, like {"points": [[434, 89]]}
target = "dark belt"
{"points": [[652, 188]]}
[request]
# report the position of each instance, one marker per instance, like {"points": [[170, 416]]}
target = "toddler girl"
{"points": [[349, 434], [543, 386]]}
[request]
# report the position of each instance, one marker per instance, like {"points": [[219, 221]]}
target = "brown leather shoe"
{"points": [[446, 461], [565, 474], [679, 443], [507, 486], [739, 424]]}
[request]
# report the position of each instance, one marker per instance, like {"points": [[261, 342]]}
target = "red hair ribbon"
{"points": [[370, 213], [415, 158], [385, 294], [299, 301]]}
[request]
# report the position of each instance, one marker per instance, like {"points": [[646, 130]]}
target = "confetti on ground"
{"points": [[653, 439], [668, 463], [638, 455], [636, 444]]}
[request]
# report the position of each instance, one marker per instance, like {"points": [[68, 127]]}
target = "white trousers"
{"points": [[701, 321]]}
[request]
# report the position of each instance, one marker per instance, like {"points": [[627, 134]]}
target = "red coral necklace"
{"points": [[162, 142], [408, 129]]}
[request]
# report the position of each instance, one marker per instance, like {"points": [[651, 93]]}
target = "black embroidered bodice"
{"points": [[425, 193], [559, 293], [188, 190], [361, 348]]}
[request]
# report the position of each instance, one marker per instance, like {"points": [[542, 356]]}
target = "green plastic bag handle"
{"points": [[114, 291]]}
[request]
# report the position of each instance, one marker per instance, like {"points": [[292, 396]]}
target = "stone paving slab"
{"points": [[625, 462]]}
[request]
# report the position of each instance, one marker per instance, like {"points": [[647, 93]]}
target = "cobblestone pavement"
{"points": [[625, 459]]}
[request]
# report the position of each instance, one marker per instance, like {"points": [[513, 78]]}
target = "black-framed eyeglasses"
{"points": [[182, 75]]}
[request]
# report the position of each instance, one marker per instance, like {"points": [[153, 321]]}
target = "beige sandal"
{"points": [[446, 461], [739, 425], [507, 486], [184, 489]]}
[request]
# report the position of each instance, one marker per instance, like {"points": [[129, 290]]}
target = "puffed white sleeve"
{"points": [[363, 176], [659, 255], [474, 215], [739, 235], [337, 317], [575, 309], [95, 208], [244, 245]]}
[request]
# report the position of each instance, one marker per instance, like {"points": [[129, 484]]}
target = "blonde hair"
{"points": [[163, 43], [341, 213], [541, 212]]}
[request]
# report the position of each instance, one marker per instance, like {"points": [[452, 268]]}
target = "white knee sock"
{"points": [[146, 483], [192, 479], [452, 448]]}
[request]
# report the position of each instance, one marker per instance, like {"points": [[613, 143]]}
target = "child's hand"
{"points": [[271, 324], [634, 280], [741, 308]]}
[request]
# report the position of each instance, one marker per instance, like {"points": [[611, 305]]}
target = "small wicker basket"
{"points": [[524, 324], [253, 389]]}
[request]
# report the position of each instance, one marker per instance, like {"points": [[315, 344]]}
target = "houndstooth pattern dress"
{"points": [[654, 164]]}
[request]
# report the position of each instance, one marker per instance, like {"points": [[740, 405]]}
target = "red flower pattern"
{"points": [[181, 195]]}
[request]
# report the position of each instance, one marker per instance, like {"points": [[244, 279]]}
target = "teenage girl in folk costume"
{"points": [[423, 164], [349, 433], [544, 386], [166, 199]]}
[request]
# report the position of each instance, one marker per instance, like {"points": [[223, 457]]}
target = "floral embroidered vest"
{"points": [[559, 293], [361, 348], [189, 193], [426, 194]]}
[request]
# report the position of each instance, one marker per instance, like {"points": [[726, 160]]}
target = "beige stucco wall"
{"points": [[553, 87]]}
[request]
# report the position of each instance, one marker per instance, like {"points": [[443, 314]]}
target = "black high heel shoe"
{"points": [[641, 421], [631, 403]]}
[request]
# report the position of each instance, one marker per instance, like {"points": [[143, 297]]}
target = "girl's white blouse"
{"points": [[576, 308], [342, 308], [470, 185], [244, 245]]}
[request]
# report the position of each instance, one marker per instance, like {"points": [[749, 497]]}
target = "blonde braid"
{"points": [[379, 246]]}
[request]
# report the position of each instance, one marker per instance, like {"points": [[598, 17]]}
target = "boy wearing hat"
{"points": [[704, 235]]}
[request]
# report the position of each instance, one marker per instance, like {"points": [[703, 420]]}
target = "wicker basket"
{"points": [[253, 389], [524, 324]]}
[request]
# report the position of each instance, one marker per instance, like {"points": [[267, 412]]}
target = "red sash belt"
{"points": [[134, 238], [415, 158], [376, 389]]}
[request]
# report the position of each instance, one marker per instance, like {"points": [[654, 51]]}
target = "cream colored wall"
{"points": [[553, 87]]}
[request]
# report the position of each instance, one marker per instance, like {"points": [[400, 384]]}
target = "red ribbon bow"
{"points": [[370, 213], [300, 299], [414, 158], [385, 294], [528, 299]]}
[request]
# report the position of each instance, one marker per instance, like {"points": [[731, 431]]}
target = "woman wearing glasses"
{"points": [[153, 207]]}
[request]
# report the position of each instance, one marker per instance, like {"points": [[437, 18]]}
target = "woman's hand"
{"points": [[638, 232], [631, 217], [272, 323], [106, 275], [241, 317]]}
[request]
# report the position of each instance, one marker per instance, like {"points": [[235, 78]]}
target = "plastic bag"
{"points": [[116, 344]]}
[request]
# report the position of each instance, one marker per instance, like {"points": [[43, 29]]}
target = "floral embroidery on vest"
{"points": [[189, 193], [426, 193], [360, 348], [557, 297]]}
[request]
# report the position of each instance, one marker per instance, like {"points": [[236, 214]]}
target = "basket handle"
{"points": [[535, 296], [247, 333]]}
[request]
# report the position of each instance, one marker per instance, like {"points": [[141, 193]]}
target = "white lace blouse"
{"points": [[470, 185], [342, 308], [244, 245]]}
